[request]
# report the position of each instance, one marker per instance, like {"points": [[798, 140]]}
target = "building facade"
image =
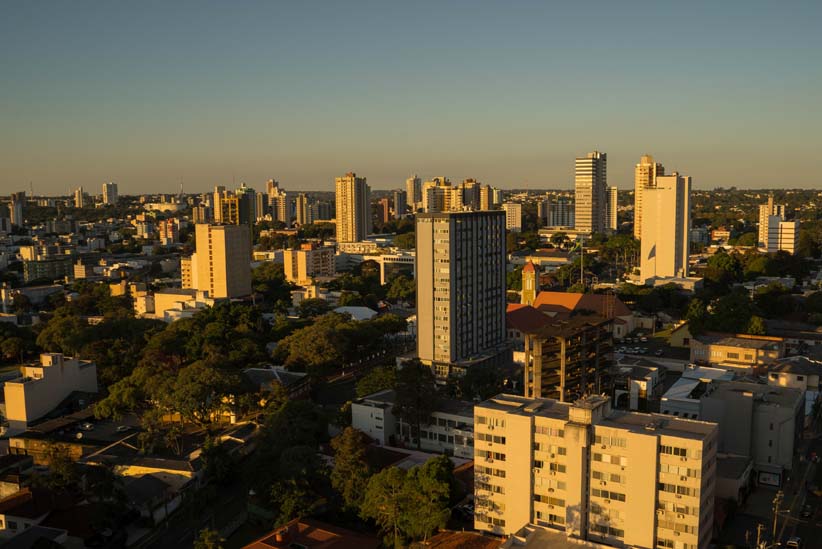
{"points": [[353, 208], [110, 194], [460, 289], [591, 192], [513, 216], [309, 262], [666, 226], [221, 264], [645, 174], [624, 479], [611, 222]]}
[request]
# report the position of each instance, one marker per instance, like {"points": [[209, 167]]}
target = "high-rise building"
{"points": [[217, 202], [400, 204], [110, 195], [645, 174], [384, 210], [79, 198], [568, 357], [590, 187], [413, 191], [16, 202], [353, 208], [202, 214], [513, 216], [766, 211], [611, 213], [437, 195], [309, 262], [666, 227], [559, 212], [486, 197], [782, 235], [263, 208], [169, 231], [279, 202], [305, 213], [221, 264], [460, 290], [625, 479], [466, 196]]}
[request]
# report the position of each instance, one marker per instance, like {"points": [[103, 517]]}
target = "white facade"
{"points": [[613, 205], [353, 208], [782, 235], [666, 225], [513, 216], [591, 192]]}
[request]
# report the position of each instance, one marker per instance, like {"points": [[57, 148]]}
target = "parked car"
{"points": [[795, 542]]}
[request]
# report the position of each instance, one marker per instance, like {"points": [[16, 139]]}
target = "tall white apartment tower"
{"points": [[645, 174], [624, 479], [666, 228], [611, 212], [413, 192], [460, 290], [353, 208], [513, 216], [766, 211], [591, 189], [110, 193]]}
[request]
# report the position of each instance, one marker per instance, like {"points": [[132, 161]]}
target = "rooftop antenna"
{"points": [[31, 188]]}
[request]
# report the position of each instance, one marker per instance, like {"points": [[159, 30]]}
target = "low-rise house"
{"points": [[605, 305], [296, 384], [800, 373], [637, 385], [741, 353]]}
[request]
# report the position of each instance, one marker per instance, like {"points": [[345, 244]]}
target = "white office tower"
{"points": [[611, 212], [558, 211], [460, 290], [513, 216], [782, 235], [79, 198], [110, 195], [766, 211], [645, 174], [623, 479], [353, 208], [413, 192], [591, 189], [666, 227]]}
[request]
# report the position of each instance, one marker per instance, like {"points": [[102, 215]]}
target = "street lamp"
{"points": [[777, 501]]}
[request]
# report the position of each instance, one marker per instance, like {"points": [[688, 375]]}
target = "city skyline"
{"points": [[138, 96]]}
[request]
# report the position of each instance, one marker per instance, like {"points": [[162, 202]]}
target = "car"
{"points": [[658, 352], [643, 339], [795, 542], [87, 426], [806, 512], [122, 428]]}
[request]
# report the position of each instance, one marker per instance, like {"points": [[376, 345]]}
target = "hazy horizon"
{"points": [[148, 93]]}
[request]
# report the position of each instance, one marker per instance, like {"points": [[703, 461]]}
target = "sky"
{"points": [[150, 93]]}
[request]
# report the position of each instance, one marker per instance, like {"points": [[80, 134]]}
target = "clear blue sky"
{"points": [[145, 92]]}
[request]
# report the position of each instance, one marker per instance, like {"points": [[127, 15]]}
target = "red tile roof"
{"points": [[524, 318], [316, 535], [556, 301]]}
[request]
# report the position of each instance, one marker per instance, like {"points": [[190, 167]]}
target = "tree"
{"points": [[481, 382], [384, 502], [13, 348], [269, 280], [382, 377], [405, 241], [208, 539], [199, 391], [696, 316], [310, 308], [217, 462], [416, 396], [731, 312], [350, 474], [401, 288], [428, 490], [756, 326], [747, 239], [513, 279]]}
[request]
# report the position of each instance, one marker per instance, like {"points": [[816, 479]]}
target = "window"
{"points": [[800, 378], [12, 525]]}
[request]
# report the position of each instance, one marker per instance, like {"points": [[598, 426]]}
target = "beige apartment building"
{"points": [[460, 289], [591, 192], [624, 479], [309, 262], [666, 228], [741, 353], [221, 265], [645, 174], [41, 387], [353, 208]]}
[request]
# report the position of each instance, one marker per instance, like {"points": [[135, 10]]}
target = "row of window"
{"points": [[494, 421], [613, 477], [552, 518], [613, 460], [679, 470], [607, 494], [611, 441], [487, 454], [550, 431], [491, 520], [479, 469], [606, 530], [496, 439], [663, 543], [677, 489], [677, 526], [490, 487], [550, 500], [550, 448]]}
